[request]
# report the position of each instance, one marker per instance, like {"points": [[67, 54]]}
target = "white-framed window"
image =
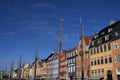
{"points": [[95, 50], [116, 34], [118, 71], [110, 29], [105, 49], [102, 33], [106, 60], [106, 37], [95, 61], [74, 53], [70, 54], [116, 46], [91, 63], [96, 36], [117, 58], [73, 68], [73, 59], [69, 61], [91, 51], [110, 59], [109, 46], [92, 43], [68, 69]]}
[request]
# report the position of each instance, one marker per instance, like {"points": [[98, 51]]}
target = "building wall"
{"points": [[116, 57], [100, 68], [103, 52], [49, 69], [55, 66], [63, 65], [86, 58], [44, 70], [26, 71], [71, 63], [32, 70]]}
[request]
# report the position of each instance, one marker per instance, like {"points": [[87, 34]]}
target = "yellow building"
{"points": [[26, 71], [101, 61], [43, 70], [102, 53], [32, 72]]}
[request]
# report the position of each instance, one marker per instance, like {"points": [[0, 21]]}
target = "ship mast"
{"points": [[60, 45], [81, 49], [20, 63], [36, 57]]}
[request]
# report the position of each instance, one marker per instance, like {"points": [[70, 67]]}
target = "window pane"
{"points": [[106, 60], [105, 47], [97, 49], [94, 50], [110, 59], [116, 45], [109, 46], [101, 49], [98, 61], [101, 60], [91, 52]]}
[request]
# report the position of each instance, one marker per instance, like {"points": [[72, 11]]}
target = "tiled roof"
{"points": [[99, 38], [87, 39]]}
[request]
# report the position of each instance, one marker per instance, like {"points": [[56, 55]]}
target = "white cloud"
{"points": [[40, 23], [6, 34], [43, 5]]}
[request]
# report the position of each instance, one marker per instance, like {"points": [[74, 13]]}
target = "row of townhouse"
{"points": [[70, 62], [105, 53], [98, 57], [94, 58]]}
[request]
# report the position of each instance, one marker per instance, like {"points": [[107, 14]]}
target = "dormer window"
{"points": [[99, 41], [116, 34], [96, 36], [109, 30], [106, 37], [92, 43], [102, 33]]}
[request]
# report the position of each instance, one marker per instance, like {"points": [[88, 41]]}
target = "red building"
{"points": [[85, 64], [63, 65]]}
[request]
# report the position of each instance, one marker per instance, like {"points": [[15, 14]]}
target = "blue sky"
{"points": [[22, 21]]}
